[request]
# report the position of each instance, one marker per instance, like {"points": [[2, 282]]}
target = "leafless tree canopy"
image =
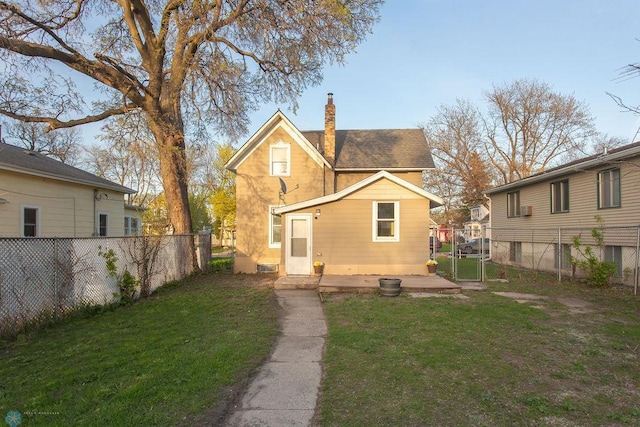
{"points": [[529, 126], [524, 129], [128, 156], [176, 61], [61, 144], [455, 135]]}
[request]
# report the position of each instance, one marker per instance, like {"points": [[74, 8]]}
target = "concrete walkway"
{"points": [[285, 391]]}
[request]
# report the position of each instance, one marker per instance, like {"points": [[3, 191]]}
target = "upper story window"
{"points": [[131, 226], [560, 196], [280, 159], [30, 221], [475, 214], [513, 204], [609, 188], [386, 221]]}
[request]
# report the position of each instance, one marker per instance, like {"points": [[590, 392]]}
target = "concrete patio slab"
{"points": [[366, 283]]}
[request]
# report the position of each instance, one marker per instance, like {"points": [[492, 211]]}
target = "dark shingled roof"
{"points": [[378, 149], [21, 160]]}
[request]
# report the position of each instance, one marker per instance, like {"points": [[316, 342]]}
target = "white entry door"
{"points": [[298, 237]]}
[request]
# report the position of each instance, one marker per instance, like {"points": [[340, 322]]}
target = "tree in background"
{"points": [[183, 64], [528, 127], [200, 217], [61, 144], [455, 136], [127, 156], [223, 199]]}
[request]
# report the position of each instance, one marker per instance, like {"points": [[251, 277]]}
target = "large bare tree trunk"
{"points": [[173, 170], [174, 179]]}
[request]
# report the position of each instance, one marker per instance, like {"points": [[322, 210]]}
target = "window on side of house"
{"points": [[30, 221], [614, 254], [103, 224], [513, 204], [609, 188], [280, 159], [562, 256], [515, 251], [275, 229], [560, 196], [131, 226], [386, 222]]}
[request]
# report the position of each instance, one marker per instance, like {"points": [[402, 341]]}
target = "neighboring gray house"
{"points": [[531, 212], [42, 197]]}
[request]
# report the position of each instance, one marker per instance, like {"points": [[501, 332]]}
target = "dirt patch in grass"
{"points": [[574, 305]]}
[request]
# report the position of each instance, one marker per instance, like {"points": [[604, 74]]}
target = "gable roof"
{"points": [[437, 201], [21, 160], [356, 150], [278, 120], [579, 165], [378, 149]]}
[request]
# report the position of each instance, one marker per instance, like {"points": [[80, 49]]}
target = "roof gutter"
{"points": [[114, 187], [588, 164]]}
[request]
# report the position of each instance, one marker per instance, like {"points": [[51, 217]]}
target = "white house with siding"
{"points": [[42, 197]]}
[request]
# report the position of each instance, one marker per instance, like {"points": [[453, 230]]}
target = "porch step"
{"points": [[297, 282], [366, 283]]}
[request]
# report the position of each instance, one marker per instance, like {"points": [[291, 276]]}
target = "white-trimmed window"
{"points": [[386, 222], [275, 229], [30, 221], [131, 226], [103, 224], [609, 188], [280, 159]]}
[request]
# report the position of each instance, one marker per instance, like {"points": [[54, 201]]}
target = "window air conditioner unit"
{"points": [[526, 210]]}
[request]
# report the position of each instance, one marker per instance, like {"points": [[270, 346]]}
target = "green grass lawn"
{"points": [[174, 358], [484, 361], [180, 356]]}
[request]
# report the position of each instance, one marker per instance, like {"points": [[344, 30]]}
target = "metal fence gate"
{"points": [[467, 257]]}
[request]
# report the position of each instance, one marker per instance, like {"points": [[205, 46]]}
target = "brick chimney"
{"points": [[330, 130]]}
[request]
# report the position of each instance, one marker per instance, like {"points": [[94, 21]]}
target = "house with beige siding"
{"points": [[42, 197], [351, 199], [534, 220]]}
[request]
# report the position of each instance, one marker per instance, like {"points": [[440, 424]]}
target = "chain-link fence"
{"points": [[557, 251], [43, 279]]}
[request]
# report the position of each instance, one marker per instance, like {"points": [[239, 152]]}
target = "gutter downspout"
{"points": [[95, 198]]}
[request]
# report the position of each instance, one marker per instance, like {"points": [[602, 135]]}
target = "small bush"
{"points": [[599, 273], [221, 264], [126, 282]]}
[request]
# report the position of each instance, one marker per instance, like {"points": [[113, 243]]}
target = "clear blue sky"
{"points": [[425, 53]]}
